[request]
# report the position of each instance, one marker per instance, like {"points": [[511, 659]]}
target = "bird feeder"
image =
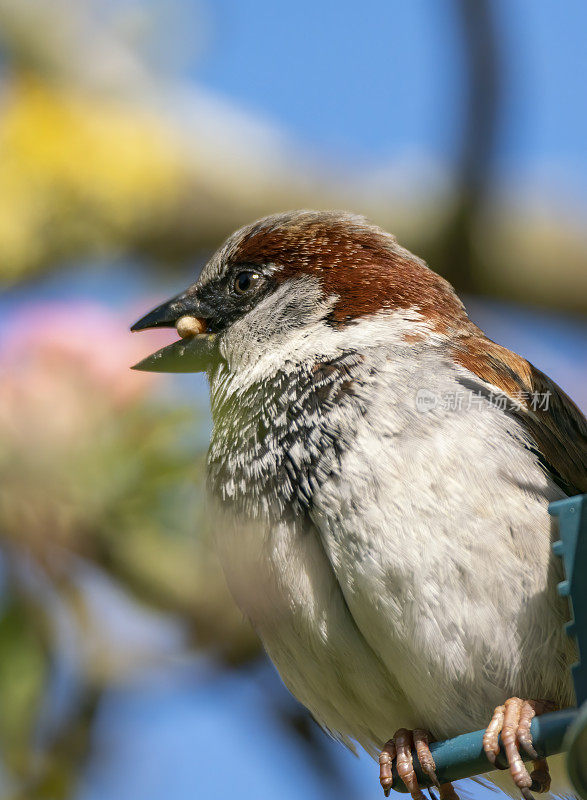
{"points": [[558, 731]]}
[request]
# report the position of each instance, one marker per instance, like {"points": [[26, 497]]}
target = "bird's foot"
{"points": [[398, 751], [513, 720]]}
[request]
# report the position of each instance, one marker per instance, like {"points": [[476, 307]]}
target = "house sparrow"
{"points": [[381, 472]]}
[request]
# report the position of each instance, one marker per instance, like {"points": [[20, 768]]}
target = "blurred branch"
{"points": [[99, 155], [478, 21], [454, 252]]}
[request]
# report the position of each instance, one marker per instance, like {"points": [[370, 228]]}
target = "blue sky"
{"points": [[381, 79]]}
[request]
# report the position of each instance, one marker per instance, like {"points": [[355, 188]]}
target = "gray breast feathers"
{"points": [[276, 441]]}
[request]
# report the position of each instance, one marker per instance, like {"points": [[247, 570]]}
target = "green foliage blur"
{"points": [[95, 467]]}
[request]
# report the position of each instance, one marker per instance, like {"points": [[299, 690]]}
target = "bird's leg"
{"points": [[399, 750], [513, 720]]}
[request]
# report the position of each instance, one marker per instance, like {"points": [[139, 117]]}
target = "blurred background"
{"points": [[134, 136]]}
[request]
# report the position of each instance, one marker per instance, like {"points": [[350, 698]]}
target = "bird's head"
{"points": [[299, 276]]}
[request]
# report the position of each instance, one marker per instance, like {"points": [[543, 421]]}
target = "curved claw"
{"points": [[491, 737], [386, 759], [513, 721], [398, 751], [421, 743]]}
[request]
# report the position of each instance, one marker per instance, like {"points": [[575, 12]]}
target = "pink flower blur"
{"points": [[65, 369]]}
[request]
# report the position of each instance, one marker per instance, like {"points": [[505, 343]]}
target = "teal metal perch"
{"points": [[559, 731]]}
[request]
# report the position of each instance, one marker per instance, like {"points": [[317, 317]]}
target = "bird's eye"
{"points": [[245, 281]]}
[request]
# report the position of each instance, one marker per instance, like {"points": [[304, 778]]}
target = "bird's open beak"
{"points": [[191, 354]]}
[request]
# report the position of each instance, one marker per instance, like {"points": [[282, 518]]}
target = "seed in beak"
{"points": [[190, 326]]}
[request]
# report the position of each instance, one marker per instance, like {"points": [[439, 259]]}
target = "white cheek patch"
{"points": [[261, 344]]}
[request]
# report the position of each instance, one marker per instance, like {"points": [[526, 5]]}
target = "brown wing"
{"points": [[556, 428]]}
